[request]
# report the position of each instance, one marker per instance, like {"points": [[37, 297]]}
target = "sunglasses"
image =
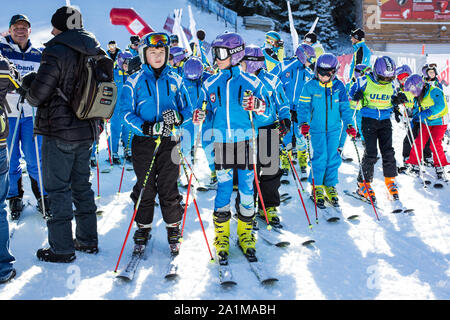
{"points": [[157, 40]]}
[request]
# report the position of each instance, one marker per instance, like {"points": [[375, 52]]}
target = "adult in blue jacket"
{"points": [[275, 123], [153, 102], [323, 107], [361, 52], [226, 95], [19, 50], [294, 73]]}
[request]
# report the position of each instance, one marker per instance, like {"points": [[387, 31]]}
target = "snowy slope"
{"points": [[398, 257]]}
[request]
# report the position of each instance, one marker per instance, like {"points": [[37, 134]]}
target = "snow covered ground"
{"points": [[398, 257]]}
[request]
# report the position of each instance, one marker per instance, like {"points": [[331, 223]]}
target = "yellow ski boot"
{"points": [[222, 232], [247, 240]]}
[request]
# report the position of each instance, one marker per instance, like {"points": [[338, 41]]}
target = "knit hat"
{"points": [[67, 18], [358, 34], [310, 37]]}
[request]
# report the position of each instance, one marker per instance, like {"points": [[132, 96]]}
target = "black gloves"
{"points": [[400, 98], [156, 129], [172, 117], [284, 127], [28, 79], [359, 95], [397, 113]]}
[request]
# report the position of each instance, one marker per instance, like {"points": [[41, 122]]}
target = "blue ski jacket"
{"points": [[324, 106], [145, 97], [224, 93]]}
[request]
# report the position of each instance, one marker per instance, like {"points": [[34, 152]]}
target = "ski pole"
{"points": [[434, 146], [16, 126], [405, 118], [364, 179], [195, 204], [138, 202], [269, 227], [124, 161], [295, 176], [39, 170], [308, 143]]}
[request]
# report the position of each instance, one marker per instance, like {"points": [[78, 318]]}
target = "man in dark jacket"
{"points": [[67, 141]]}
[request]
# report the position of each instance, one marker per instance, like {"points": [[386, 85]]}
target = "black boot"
{"points": [[116, 159], [47, 214], [93, 249], [173, 237], [15, 207], [141, 237], [93, 162], [49, 256]]}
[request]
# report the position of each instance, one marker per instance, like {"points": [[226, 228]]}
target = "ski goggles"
{"points": [[326, 72], [221, 53], [250, 58], [385, 80], [180, 53], [430, 66], [157, 40]]}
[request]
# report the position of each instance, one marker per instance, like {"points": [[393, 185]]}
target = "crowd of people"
{"points": [[246, 100]]}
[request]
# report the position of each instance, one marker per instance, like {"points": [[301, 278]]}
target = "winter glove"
{"points": [[422, 115], [398, 99], [156, 129], [28, 79], [305, 129], [397, 113], [134, 65], [351, 131], [284, 127], [252, 103], [358, 96], [198, 116], [172, 117]]}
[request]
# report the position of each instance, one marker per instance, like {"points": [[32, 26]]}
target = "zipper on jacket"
{"points": [[157, 101], [218, 95], [326, 109], [228, 106]]}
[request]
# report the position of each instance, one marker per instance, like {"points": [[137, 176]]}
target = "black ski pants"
{"points": [[162, 180], [377, 133]]}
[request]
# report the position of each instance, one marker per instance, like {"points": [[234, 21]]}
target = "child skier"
{"points": [[376, 91], [323, 107], [225, 96], [153, 101], [193, 78], [430, 110], [278, 105], [273, 50], [177, 57], [294, 73]]}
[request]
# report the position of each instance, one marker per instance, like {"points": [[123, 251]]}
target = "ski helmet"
{"points": [[154, 40], [178, 54], [174, 38], [229, 45], [384, 70], [428, 67], [305, 53], [414, 84], [123, 57], [272, 38], [193, 68], [326, 65], [254, 58], [361, 69], [403, 72]]}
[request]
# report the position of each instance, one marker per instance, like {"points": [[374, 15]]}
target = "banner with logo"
{"points": [[344, 67], [417, 11]]}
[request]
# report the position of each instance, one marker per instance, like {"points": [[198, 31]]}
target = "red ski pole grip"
{"points": [[129, 18]]}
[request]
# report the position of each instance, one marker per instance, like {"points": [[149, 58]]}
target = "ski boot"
{"points": [[428, 161], [320, 197], [414, 169], [49, 256], [247, 240], [116, 158], [440, 174], [46, 215], [173, 237], [284, 163], [391, 187], [302, 160], [141, 237], [93, 162], [222, 234], [272, 216], [332, 195], [15, 207], [366, 193], [213, 181]]}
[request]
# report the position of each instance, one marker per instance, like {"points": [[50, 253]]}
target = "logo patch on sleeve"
{"points": [[212, 97]]}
